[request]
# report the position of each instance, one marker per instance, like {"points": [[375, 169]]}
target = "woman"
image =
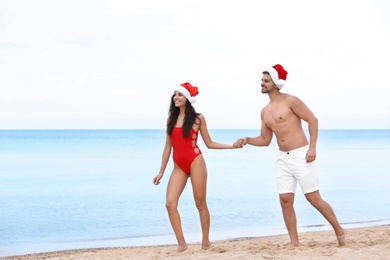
{"points": [[183, 126]]}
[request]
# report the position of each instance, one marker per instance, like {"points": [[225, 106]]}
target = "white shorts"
{"points": [[291, 167]]}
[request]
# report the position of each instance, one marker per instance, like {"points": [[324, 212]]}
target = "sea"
{"points": [[71, 189]]}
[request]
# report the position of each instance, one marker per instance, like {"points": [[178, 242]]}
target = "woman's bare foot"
{"points": [[181, 248], [293, 245], [342, 238], [206, 245]]}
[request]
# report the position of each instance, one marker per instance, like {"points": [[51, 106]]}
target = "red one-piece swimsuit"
{"points": [[185, 150]]}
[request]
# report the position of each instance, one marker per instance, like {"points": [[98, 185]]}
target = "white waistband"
{"points": [[296, 151]]}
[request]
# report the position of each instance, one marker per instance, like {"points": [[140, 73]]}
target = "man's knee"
{"points": [[314, 198], [286, 200]]}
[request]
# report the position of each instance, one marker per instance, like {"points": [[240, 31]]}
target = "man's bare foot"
{"points": [[342, 238], [181, 248], [206, 245]]}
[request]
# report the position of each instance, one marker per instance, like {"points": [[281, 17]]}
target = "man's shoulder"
{"points": [[290, 98], [287, 95]]}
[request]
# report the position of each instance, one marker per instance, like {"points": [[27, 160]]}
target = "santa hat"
{"points": [[188, 91], [278, 75]]}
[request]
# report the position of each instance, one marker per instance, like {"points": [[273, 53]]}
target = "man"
{"points": [[283, 117]]}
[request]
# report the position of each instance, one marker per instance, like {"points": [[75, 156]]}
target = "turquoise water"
{"points": [[93, 188]]}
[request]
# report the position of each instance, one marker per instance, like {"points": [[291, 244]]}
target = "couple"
{"points": [[283, 117]]}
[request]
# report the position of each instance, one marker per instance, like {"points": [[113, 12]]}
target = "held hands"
{"points": [[240, 143], [237, 144]]}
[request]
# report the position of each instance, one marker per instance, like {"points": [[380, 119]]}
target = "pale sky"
{"points": [[113, 64]]}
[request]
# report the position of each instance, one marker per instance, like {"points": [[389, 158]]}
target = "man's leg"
{"points": [[326, 210], [287, 204]]}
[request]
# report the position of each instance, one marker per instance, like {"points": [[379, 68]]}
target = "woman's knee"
{"points": [[201, 204], [171, 205]]}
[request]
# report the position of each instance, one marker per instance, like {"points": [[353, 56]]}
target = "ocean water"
{"points": [[67, 189]]}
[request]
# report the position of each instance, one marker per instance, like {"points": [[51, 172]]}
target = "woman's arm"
{"points": [[164, 161], [207, 139]]}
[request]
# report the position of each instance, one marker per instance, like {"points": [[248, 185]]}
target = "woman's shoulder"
{"points": [[199, 119]]}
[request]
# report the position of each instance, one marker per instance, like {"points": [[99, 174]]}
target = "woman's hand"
{"points": [[240, 143], [156, 180]]}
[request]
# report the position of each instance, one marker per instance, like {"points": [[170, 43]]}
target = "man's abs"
{"points": [[291, 141]]}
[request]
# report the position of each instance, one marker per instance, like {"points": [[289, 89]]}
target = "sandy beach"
{"points": [[363, 243]]}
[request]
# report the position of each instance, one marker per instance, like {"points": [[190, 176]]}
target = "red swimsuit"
{"points": [[185, 150]]}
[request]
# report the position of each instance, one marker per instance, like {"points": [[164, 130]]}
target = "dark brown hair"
{"points": [[189, 118]]}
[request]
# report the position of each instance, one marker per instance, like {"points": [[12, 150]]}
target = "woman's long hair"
{"points": [[189, 118]]}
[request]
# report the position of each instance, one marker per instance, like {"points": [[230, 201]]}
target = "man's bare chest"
{"points": [[277, 115]]}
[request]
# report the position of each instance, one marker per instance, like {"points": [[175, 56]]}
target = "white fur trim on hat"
{"points": [[275, 77], [186, 93]]}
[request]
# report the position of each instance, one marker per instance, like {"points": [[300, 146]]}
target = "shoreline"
{"points": [[362, 243]]}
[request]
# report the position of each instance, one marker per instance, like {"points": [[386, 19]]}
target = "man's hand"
{"points": [[311, 155], [240, 143]]}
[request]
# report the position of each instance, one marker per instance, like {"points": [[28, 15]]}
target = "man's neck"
{"points": [[274, 94]]}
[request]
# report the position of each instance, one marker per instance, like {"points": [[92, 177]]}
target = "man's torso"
{"points": [[286, 125]]}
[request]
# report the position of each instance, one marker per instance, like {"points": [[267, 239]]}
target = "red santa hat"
{"points": [[188, 91], [278, 75]]}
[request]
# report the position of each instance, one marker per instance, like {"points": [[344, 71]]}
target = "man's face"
{"points": [[267, 84]]}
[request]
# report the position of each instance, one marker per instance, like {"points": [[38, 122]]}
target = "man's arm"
{"points": [[264, 139], [307, 115]]}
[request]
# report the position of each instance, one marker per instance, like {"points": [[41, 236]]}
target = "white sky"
{"points": [[113, 64]]}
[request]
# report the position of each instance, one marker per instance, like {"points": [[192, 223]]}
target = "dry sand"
{"points": [[363, 243]]}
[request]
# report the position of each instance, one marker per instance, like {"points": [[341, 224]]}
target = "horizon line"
{"points": [[143, 129]]}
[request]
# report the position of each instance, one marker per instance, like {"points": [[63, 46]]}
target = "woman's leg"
{"points": [[175, 187], [199, 187]]}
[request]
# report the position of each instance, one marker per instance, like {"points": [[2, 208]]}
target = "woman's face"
{"points": [[179, 99]]}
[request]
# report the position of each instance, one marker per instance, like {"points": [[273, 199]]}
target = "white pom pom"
{"points": [[192, 99], [280, 83]]}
